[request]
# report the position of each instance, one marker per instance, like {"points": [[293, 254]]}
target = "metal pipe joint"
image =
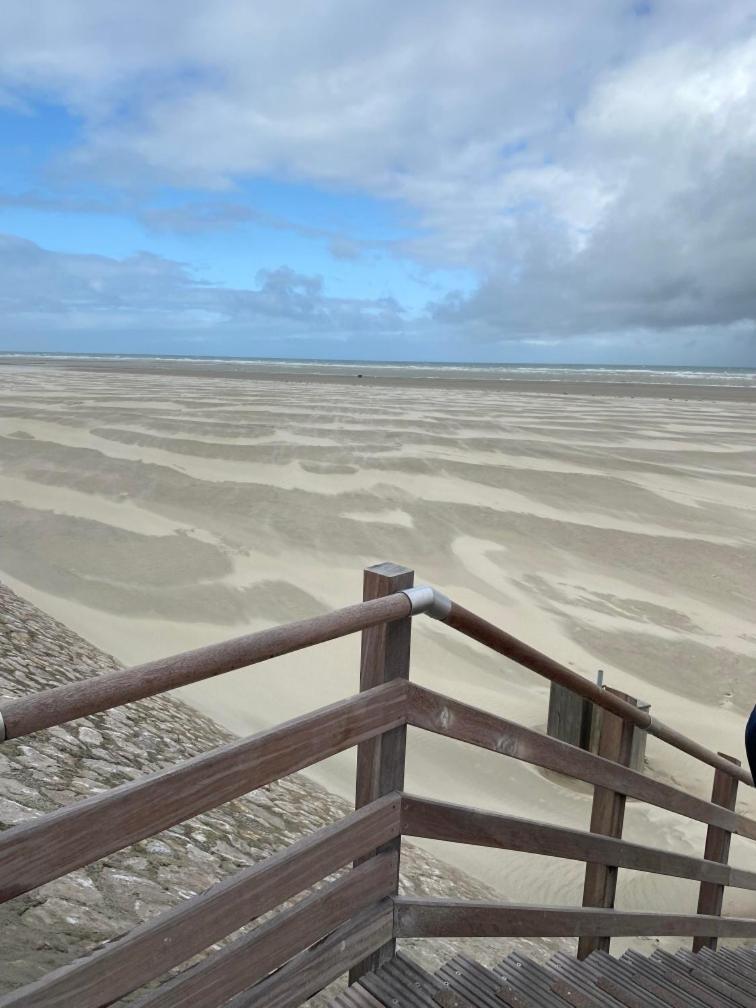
{"points": [[430, 601]]}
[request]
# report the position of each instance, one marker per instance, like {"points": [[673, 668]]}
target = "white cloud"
{"points": [[668, 148], [592, 161], [42, 290]]}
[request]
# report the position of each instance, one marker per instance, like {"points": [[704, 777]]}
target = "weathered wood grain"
{"points": [[607, 818], [674, 986], [112, 689], [315, 968], [569, 716], [254, 955], [436, 820], [384, 657], [711, 895], [151, 950], [498, 640], [415, 917], [44, 848], [620, 992], [454, 719]]}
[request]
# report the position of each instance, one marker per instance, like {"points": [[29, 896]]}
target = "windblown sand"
{"points": [[155, 512]]}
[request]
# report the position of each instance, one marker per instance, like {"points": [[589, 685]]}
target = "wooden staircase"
{"points": [[722, 979], [278, 953]]}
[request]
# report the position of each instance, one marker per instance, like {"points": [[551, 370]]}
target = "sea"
{"points": [[733, 377]]}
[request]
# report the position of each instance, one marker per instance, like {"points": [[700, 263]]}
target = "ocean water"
{"points": [[734, 377]]}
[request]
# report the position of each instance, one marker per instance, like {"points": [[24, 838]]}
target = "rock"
{"points": [[73, 888], [12, 813], [90, 736], [14, 788], [185, 881], [232, 853], [158, 849], [137, 864], [129, 888], [57, 917], [59, 797]]}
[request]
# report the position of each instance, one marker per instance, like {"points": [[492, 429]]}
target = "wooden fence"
{"points": [[351, 923]]}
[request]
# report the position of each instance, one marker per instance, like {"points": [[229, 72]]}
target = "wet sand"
{"points": [[396, 377], [156, 507]]}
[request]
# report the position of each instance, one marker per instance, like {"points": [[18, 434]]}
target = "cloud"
{"points": [[190, 218], [217, 215], [592, 163], [668, 147], [46, 292]]}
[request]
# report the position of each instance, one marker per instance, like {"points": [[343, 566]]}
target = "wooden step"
{"points": [[725, 978]]}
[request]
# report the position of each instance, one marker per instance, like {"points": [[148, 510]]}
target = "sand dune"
{"points": [[156, 512]]}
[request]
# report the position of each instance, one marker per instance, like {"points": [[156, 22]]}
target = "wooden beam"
{"points": [[154, 948], [44, 848], [311, 971], [454, 719], [498, 640], [416, 917], [436, 820], [607, 819], [711, 895], [98, 693], [569, 717], [255, 954], [384, 658]]}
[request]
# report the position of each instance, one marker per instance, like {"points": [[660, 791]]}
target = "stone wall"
{"points": [[69, 917]]}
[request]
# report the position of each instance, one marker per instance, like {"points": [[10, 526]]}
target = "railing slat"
{"points": [[417, 917], [44, 848], [151, 950], [112, 689], [491, 636], [254, 955], [314, 969], [454, 719], [436, 820]]}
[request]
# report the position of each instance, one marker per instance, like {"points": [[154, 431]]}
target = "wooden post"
{"points": [[607, 818], [380, 761], [711, 894], [569, 718]]}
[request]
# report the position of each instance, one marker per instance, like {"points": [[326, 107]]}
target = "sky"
{"points": [[380, 179]]}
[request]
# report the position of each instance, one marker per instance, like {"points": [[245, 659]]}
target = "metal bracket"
{"points": [[425, 599]]}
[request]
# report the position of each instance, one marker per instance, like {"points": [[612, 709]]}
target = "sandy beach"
{"points": [[157, 507]]}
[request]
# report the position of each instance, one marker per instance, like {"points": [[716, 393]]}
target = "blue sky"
{"points": [[488, 181]]}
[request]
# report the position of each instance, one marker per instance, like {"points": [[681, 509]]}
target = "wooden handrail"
{"points": [[24, 715], [471, 625], [44, 848], [436, 820], [444, 716], [55, 706], [417, 917], [155, 947], [347, 924]]}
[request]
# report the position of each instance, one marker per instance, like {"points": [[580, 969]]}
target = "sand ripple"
{"points": [[155, 512]]}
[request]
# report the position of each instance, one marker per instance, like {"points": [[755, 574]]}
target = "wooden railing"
{"points": [[352, 923]]}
